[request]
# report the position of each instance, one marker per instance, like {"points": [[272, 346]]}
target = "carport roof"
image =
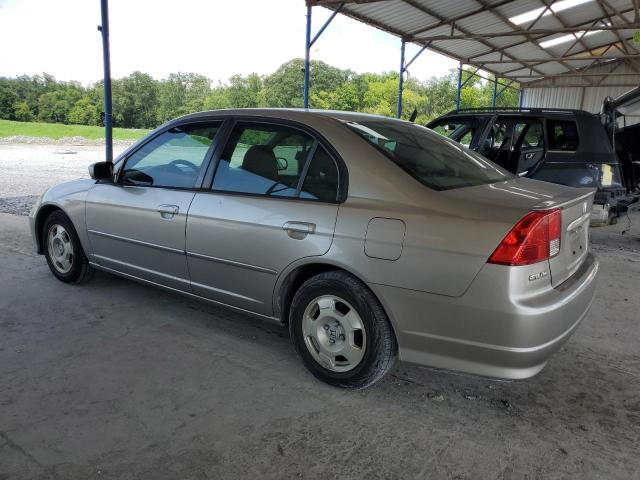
{"points": [[519, 40]]}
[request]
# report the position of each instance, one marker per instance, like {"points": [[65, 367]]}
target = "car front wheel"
{"points": [[341, 331], [63, 250]]}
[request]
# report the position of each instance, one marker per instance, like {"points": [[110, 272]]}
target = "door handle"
{"points": [[168, 211], [299, 230], [529, 156]]}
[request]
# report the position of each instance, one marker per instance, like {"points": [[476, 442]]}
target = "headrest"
{"points": [[260, 160]]}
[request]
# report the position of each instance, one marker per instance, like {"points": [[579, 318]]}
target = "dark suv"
{"points": [[570, 147]]}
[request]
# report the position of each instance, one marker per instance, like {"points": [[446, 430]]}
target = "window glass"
{"points": [[460, 130], [263, 159], [172, 159], [435, 161], [563, 135], [321, 181], [532, 131]]}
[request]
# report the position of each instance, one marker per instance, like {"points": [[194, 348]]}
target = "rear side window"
{"points": [[433, 160], [562, 135], [276, 160], [321, 180]]}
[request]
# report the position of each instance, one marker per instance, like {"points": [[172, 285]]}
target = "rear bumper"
{"points": [[487, 331]]}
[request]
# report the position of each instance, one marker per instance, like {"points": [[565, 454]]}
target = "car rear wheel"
{"points": [[341, 331], [63, 250]]}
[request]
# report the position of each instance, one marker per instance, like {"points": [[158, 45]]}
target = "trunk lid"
{"points": [[574, 240]]}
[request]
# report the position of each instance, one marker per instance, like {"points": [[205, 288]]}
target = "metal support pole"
{"points": [[108, 116], [400, 80], [459, 87], [307, 50], [495, 92]]}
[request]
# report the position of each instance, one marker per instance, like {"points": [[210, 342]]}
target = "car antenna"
{"points": [[413, 116]]}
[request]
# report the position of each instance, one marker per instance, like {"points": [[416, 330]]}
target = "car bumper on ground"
{"points": [[486, 332]]}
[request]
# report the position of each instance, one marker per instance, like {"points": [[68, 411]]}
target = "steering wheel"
{"points": [[186, 163], [283, 164]]}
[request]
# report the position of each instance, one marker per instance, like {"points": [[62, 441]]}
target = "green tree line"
{"points": [[140, 101]]}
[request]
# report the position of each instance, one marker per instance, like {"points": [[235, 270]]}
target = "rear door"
{"points": [[137, 225], [528, 149], [273, 200]]}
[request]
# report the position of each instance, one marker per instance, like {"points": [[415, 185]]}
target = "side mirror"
{"points": [[101, 171]]}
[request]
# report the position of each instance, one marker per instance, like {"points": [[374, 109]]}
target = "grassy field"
{"points": [[9, 128]]}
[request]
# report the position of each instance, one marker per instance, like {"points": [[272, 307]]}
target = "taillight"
{"points": [[533, 239]]}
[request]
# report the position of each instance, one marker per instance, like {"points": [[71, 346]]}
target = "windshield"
{"points": [[433, 160]]}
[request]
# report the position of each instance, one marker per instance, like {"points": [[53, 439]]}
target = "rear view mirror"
{"points": [[101, 171]]}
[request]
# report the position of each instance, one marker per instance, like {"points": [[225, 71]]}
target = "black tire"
{"points": [[80, 270], [381, 346]]}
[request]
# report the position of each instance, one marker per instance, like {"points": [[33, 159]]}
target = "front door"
{"points": [[137, 225], [273, 201]]}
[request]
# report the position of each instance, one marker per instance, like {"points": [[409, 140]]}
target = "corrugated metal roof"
{"points": [[482, 33]]}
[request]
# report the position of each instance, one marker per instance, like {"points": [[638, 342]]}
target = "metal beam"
{"points": [[543, 32], [555, 59], [494, 97], [400, 80], [579, 85], [106, 58], [307, 62], [576, 75], [459, 89]]}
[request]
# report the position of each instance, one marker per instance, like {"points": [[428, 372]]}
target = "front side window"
{"points": [[433, 160], [271, 160], [562, 135], [172, 159]]}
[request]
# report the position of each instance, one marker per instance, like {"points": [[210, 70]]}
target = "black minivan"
{"points": [[570, 147]]}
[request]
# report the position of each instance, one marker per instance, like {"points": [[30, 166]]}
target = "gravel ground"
{"points": [[28, 170], [116, 380]]}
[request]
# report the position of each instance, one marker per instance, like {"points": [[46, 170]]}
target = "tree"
{"points": [[283, 88], [22, 112], [85, 112], [8, 99], [140, 101], [182, 93]]}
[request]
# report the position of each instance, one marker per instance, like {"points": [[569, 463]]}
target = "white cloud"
{"points": [[213, 37]]}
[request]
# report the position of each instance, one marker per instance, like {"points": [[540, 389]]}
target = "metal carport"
{"points": [[541, 44]]}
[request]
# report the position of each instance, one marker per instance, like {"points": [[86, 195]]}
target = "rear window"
{"points": [[432, 159], [562, 135]]}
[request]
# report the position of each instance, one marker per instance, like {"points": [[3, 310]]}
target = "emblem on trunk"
{"points": [[537, 276]]}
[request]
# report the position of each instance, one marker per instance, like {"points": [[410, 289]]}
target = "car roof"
{"points": [[299, 114], [516, 111]]}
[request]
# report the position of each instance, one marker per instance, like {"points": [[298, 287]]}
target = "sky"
{"points": [[216, 38]]}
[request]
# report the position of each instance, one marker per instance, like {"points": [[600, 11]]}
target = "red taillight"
{"points": [[533, 239]]}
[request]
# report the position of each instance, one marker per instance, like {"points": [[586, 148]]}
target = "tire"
{"points": [[338, 347], [63, 250]]}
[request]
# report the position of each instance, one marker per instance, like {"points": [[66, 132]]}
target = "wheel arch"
{"points": [[293, 277], [41, 216]]}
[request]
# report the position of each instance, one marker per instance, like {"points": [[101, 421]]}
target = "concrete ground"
{"points": [[115, 380]]}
